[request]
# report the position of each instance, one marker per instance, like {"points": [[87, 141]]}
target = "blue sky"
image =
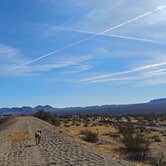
{"points": [[79, 53]]}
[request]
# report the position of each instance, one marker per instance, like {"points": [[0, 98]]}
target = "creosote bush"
{"points": [[135, 142], [47, 116], [90, 136]]}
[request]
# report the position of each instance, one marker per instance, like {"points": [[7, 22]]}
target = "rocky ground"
{"points": [[17, 147]]}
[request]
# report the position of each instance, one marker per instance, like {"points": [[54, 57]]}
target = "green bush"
{"points": [[90, 136], [3, 119], [134, 141], [47, 116]]}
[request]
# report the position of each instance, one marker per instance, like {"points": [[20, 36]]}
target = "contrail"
{"points": [[117, 79], [154, 72], [130, 78], [109, 35], [142, 68], [133, 78], [159, 8]]}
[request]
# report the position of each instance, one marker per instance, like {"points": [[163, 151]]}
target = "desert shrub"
{"points": [[164, 134], [113, 134], [94, 118], [66, 125], [161, 160], [156, 138], [3, 119], [134, 142], [78, 124], [66, 121], [85, 125], [48, 116], [55, 121], [89, 136], [93, 124]]}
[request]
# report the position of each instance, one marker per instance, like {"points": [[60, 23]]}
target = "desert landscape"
{"points": [[130, 140], [17, 147], [82, 83], [109, 139], [88, 140]]}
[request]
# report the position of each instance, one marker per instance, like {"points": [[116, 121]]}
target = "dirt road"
{"points": [[17, 147]]}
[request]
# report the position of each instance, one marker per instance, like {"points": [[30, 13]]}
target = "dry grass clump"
{"points": [[19, 136]]}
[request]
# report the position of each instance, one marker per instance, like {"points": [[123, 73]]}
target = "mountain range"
{"points": [[157, 106]]}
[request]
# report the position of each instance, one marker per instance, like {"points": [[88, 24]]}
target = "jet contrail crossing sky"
{"points": [[159, 8]]}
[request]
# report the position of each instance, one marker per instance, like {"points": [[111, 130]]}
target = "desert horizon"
{"points": [[82, 83]]}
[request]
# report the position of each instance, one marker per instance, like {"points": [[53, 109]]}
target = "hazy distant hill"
{"points": [[158, 101], [157, 106]]}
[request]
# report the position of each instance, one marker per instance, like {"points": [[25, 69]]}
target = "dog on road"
{"points": [[38, 136]]}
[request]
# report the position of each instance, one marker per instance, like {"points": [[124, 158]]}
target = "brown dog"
{"points": [[38, 136]]}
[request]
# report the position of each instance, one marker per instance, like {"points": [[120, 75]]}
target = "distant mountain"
{"points": [[46, 107], [16, 110], [157, 106], [158, 101]]}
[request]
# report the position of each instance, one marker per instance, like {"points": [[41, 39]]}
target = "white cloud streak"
{"points": [[157, 9], [109, 35], [107, 77], [78, 69], [10, 56], [71, 61], [156, 72], [145, 76]]}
